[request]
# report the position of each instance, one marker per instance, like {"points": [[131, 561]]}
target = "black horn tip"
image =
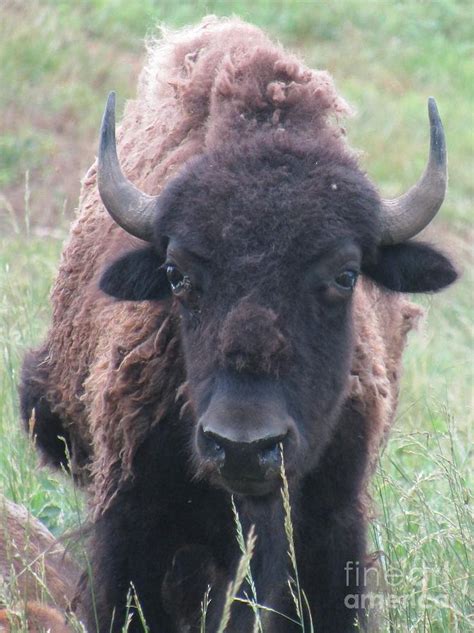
{"points": [[438, 142], [432, 108], [110, 106], [107, 133], [112, 94]]}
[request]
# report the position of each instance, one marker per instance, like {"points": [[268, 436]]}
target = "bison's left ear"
{"points": [[136, 276], [411, 267]]}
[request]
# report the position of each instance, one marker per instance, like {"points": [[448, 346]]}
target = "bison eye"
{"points": [[346, 280], [179, 283]]}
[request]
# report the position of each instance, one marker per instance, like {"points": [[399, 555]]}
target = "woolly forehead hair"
{"points": [[229, 58], [205, 86], [267, 197]]}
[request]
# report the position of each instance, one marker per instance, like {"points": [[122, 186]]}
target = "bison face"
{"points": [[260, 246], [261, 250], [267, 361], [262, 256]]}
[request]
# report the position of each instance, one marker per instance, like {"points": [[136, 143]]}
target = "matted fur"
{"points": [[34, 570], [39, 618], [105, 362]]}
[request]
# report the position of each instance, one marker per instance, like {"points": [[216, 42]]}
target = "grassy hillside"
{"points": [[59, 59]]}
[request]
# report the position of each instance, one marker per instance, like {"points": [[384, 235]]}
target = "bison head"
{"points": [[260, 246]]}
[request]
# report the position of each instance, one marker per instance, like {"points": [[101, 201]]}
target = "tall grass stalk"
{"points": [[206, 601], [241, 574], [253, 600], [299, 599]]}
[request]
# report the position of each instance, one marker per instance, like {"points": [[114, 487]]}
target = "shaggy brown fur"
{"points": [[35, 570], [183, 105], [39, 618]]}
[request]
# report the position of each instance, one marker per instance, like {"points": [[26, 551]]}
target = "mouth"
{"points": [[249, 487]]}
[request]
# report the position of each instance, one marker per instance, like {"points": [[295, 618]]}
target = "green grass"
{"points": [[60, 58], [58, 61]]}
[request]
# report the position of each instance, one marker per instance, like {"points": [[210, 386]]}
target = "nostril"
{"points": [[213, 448], [272, 452], [269, 452]]}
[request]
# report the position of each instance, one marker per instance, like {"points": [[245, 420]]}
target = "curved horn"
{"points": [[407, 215], [132, 209]]}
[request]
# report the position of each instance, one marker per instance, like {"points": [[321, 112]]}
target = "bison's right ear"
{"points": [[136, 276]]}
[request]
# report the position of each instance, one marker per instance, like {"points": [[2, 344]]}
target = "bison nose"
{"points": [[240, 461]]}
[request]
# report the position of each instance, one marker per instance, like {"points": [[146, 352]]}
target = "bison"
{"points": [[241, 303], [37, 576]]}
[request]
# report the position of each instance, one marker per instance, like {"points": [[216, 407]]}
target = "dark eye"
{"points": [[347, 279], [179, 283]]}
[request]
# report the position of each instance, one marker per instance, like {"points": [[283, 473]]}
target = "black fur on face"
{"points": [[262, 245]]}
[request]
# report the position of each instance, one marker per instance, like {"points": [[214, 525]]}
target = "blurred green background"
{"points": [[59, 59]]}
